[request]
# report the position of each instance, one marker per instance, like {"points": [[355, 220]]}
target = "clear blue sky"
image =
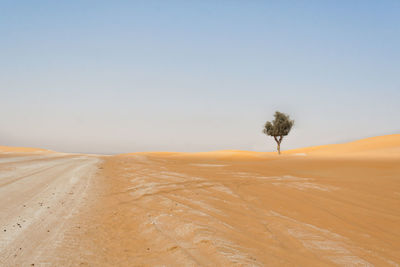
{"points": [[125, 76]]}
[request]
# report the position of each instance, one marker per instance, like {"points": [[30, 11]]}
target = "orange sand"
{"points": [[376, 147], [335, 205], [22, 149]]}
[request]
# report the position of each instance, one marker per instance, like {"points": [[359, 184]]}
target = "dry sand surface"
{"points": [[323, 206], [39, 195]]}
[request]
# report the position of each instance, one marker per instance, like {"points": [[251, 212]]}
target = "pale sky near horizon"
{"points": [[127, 76]]}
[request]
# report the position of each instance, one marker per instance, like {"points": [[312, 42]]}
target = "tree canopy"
{"points": [[279, 127]]}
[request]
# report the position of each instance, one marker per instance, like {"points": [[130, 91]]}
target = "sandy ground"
{"points": [[228, 208], [39, 194]]}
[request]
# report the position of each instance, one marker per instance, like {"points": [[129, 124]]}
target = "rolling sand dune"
{"points": [[7, 149], [339, 205], [379, 146]]}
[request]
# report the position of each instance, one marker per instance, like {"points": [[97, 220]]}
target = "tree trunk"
{"points": [[278, 142]]}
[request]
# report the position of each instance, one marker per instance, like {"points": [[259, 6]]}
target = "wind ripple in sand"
{"points": [[334, 247], [299, 183], [208, 165], [196, 238]]}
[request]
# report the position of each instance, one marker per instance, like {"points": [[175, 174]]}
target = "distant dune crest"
{"points": [[387, 145], [23, 149], [378, 146]]}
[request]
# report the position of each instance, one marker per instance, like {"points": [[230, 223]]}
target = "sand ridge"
{"points": [[9, 149], [378, 146], [386, 146]]}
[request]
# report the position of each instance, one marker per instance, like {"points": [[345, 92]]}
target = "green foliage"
{"points": [[280, 126]]}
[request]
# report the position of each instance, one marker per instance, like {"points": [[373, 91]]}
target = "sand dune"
{"points": [[23, 150], [387, 146], [336, 206], [379, 146]]}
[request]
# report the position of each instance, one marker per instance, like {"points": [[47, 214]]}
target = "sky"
{"points": [[126, 76]]}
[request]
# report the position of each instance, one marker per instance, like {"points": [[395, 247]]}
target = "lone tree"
{"points": [[280, 127]]}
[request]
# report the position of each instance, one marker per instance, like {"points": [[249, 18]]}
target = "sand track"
{"points": [[38, 196]]}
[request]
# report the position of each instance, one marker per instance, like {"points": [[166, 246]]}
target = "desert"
{"points": [[199, 133], [319, 206]]}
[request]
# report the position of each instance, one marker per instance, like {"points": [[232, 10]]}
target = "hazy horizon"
{"points": [[115, 77]]}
